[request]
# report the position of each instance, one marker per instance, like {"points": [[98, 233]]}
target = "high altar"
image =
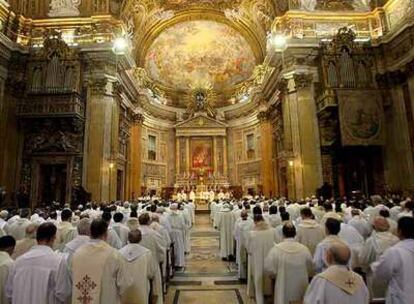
{"points": [[201, 150]]}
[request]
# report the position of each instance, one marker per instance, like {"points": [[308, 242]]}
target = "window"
{"points": [[250, 146], [152, 151]]}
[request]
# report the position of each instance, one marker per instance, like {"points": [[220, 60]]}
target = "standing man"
{"points": [[310, 233], [99, 271], [396, 265], [7, 244], [66, 232], [291, 263], [259, 242], [332, 228], [139, 260], [337, 284], [40, 275], [225, 224], [241, 230]]}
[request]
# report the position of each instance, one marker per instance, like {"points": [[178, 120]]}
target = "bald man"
{"points": [[337, 284], [380, 240]]}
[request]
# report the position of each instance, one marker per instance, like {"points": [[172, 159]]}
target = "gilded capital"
{"points": [[263, 116], [302, 80], [137, 118]]}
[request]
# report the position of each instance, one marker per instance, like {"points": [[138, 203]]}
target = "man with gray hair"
{"points": [[84, 231], [25, 244], [337, 284]]}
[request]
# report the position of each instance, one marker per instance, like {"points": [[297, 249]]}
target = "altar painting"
{"points": [[201, 153]]}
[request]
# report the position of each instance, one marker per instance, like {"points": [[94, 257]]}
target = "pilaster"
{"points": [[134, 177], [266, 143]]}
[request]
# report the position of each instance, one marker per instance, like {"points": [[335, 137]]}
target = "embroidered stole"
{"points": [[88, 266], [346, 280]]}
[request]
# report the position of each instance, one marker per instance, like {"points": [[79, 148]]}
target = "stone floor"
{"points": [[206, 278]]}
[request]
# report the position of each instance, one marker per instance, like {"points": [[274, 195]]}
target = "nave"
{"points": [[206, 278]]}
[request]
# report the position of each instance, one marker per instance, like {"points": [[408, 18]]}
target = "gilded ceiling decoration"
{"points": [[200, 51]]}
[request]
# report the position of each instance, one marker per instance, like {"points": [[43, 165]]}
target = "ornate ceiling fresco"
{"points": [[200, 52]]}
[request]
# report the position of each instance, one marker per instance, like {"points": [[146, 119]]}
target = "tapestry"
{"points": [[361, 118], [201, 153]]}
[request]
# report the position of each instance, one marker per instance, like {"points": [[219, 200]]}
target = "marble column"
{"points": [[215, 169], [177, 156], [135, 157], [225, 166], [188, 157], [102, 137], [305, 161], [266, 154]]}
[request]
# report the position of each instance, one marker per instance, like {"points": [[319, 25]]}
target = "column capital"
{"points": [[136, 118], [263, 116], [302, 80]]}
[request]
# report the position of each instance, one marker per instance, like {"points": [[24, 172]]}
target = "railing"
{"points": [[68, 104]]}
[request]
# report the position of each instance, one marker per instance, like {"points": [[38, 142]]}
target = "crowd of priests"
{"points": [[319, 251], [311, 251]]}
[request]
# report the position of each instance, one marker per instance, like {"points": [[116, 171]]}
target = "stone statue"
{"points": [[308, 5], [361, 5], [64, 8]]}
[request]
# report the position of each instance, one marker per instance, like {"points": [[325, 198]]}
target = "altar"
{"points": [[201, 157]]}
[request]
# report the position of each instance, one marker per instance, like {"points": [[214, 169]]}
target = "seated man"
{"points": [[337, 284], [291, 263]]}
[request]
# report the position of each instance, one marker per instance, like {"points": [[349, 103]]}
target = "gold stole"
{"points": [[88, 265], [346, 280]]}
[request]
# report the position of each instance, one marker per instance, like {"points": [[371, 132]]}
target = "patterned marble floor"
{"points": [[206, 278]]}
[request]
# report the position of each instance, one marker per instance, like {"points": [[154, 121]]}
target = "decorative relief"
{"points": [[64, 8], [302, 80], [53, 136]]}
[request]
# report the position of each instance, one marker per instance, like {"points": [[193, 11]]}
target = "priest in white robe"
{"points": [[396, 265], [332, 228], [360, 223], [120, 229], [82, 238], [225, 224], [99, 272], [40, 275], [25, 244], [291, 264], [380, 240], [113, 239], [139, 261], [337, 284], [66, 232], [259, 242], [309, 232], [7, 244], [17, 228], [178, 227], [241, 231]]}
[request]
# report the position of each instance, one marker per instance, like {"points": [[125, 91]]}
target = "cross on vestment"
{"points": [[85, 287], [350, 283]]}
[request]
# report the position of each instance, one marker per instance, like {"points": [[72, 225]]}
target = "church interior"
{"points": [[110, 101]]}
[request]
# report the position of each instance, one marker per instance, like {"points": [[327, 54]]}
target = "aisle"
{"points": [[206, 278]]}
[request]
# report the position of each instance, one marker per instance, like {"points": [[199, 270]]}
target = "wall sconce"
{"points": [[111, 165], [291, 163]]}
